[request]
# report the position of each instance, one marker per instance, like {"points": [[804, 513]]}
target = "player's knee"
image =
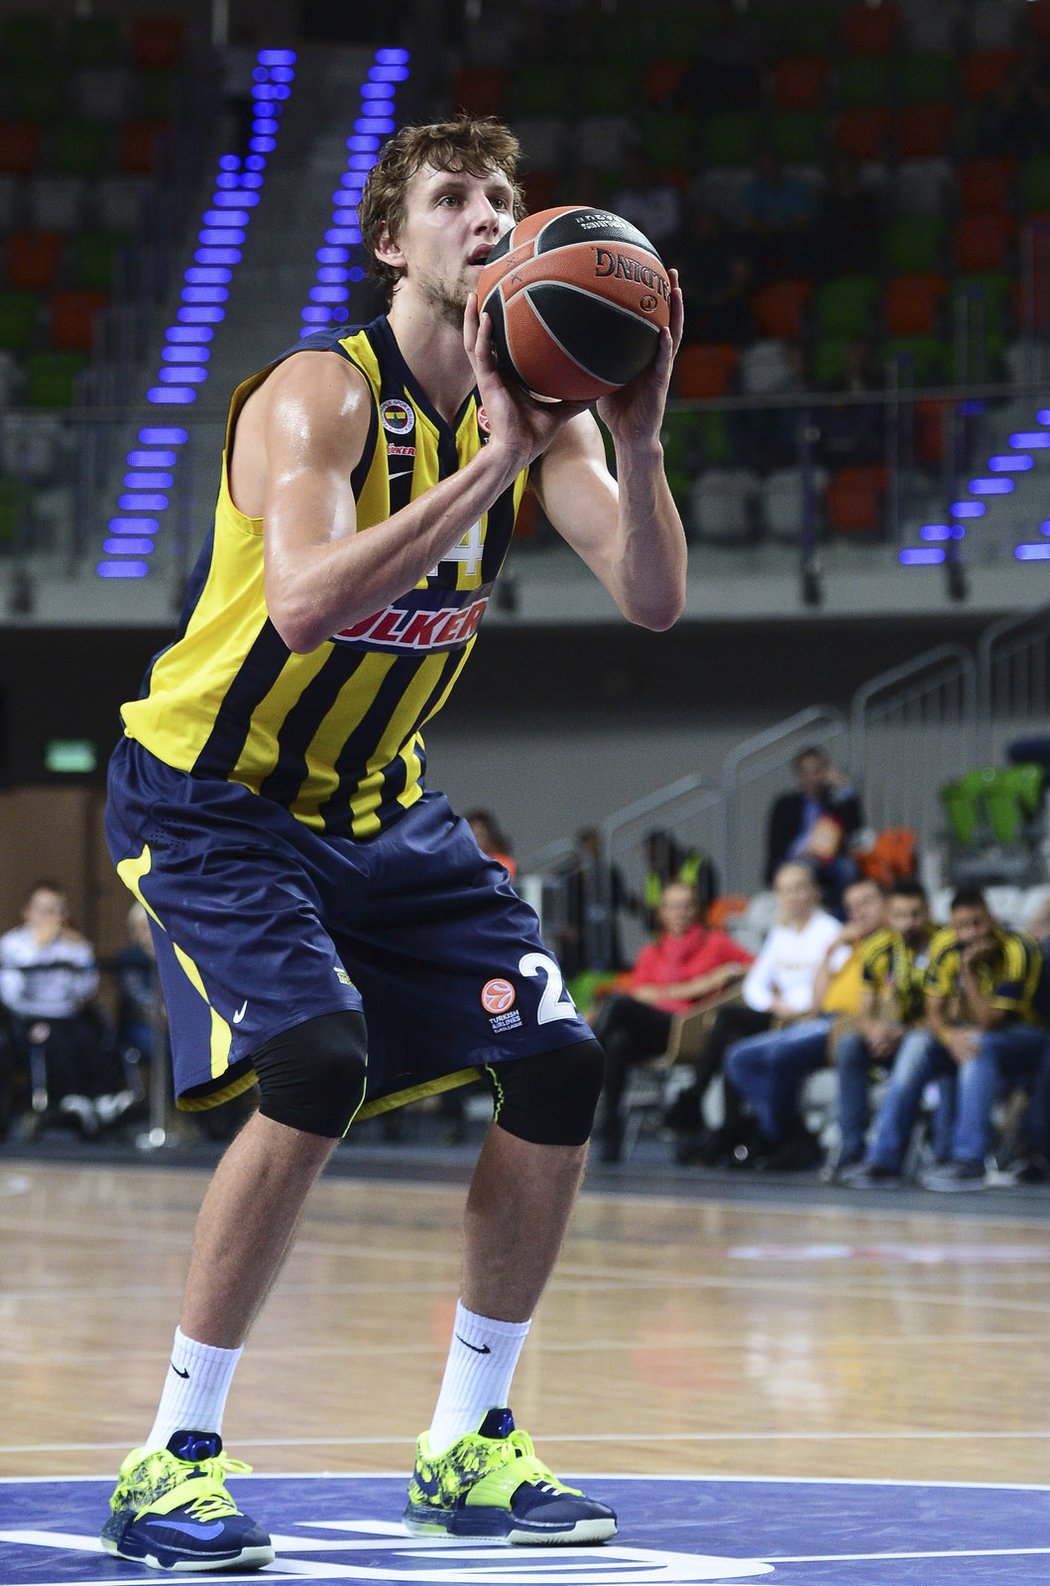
{"points": [[313, 1076], [550, 1099]]}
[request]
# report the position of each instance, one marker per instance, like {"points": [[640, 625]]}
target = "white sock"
{"points": [[481, 1362], [195, 1388]]}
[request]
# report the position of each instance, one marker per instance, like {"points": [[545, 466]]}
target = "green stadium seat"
{"points": [[926, 79], [12, 503], [866, 82], [979, 360], [609, 87], [798, 136], [51, 377], [1013, 796], [78, 148], [93, 41], [1035, 183], [158, 94], [93, 257], [844, 307], [732, 137], [800, 29], [914, 245], [669, 139], [989, 299], [27, 41], [919, 360], [829, 361], [544, 90], [39, 94], [19, 317]]}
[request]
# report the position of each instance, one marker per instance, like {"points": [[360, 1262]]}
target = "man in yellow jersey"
{"points": [[268, 807]]}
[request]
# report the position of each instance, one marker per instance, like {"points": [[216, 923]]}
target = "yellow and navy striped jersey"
{"points": [[895, 970], [1008, 980], [335, 735]]}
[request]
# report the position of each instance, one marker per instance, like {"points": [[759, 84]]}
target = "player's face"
{"points": [[908, 917], [453, 220]]}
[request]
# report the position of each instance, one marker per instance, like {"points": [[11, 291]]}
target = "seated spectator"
{"points": [[778, 211], [595, 892], [893, 972], [491, 840], [978, 1033], [675, 974], [665, 861], [48, 978], [768, 1070], [648, 201], [777, 990], [716, 277], [815, 824], [138, 989]]}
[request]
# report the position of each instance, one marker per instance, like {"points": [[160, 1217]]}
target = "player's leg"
{"points": [[476, 1475]]}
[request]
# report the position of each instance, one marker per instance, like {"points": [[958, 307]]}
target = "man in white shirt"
{"points": [[777, 989]]}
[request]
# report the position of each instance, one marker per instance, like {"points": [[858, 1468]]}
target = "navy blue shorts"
{"points": [[261, 923]]}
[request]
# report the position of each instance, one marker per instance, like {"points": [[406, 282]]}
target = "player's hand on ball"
{"points": [[515, 418], [636, 410]]}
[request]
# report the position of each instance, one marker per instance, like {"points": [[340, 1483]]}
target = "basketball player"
{"points": [[268, 808]]}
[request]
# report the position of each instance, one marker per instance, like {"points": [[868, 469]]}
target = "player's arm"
{"points": [[320, 574], [627, 529]]}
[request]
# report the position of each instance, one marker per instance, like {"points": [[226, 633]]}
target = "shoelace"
{"points": [[214, 1505], [519, 1445]]}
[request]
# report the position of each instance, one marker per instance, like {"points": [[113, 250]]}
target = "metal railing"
{"points": [[1013, 676]]}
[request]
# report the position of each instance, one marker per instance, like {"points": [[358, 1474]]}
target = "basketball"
{"points": [[577, 299]]}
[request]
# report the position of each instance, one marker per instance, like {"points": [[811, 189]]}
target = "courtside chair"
{"points": [[801, 82]]}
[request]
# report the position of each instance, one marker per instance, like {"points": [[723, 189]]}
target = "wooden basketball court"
{"points": [[719, 1334]]}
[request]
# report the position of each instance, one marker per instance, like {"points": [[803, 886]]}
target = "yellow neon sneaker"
{"points": [[171, 1510], [490, 1483]]}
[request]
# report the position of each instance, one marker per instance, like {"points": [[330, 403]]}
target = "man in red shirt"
{"points": [[675, 974]]}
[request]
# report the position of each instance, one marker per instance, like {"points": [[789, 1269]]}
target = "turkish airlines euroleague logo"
{"points": [[498, 996]]}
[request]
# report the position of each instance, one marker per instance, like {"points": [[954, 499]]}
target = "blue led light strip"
{"points": [[997, 482], [151, 464], [337, 266]]}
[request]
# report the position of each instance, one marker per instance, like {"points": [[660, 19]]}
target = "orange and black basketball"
{"points": [[577, 299]]}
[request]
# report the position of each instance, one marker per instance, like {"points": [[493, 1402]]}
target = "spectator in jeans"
{"points": [[815, 824], [768, 1070], [686, 966], [978, 1032], [893, 974], [777, 989]]}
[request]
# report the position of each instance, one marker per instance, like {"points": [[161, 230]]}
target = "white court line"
{"points": [[572, 1437]]}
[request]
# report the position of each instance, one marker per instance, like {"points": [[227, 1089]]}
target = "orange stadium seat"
{"points": [[32, 259], [140, 145], [705, 369], [662, 79], [19, 146], [923, 131], [870, 30], [910, 304], [73, 315], [863, 133], [779, 309], [854, 500], [985, 72], [982, 242], [157, 42], [480, 89], [801, 83], [931, 434], [986, 185]]}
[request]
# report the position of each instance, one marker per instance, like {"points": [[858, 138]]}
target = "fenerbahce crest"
{"points": [[422, 620]]}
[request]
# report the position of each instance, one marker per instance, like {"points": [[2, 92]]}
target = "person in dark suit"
{"points": [[814, 824]]}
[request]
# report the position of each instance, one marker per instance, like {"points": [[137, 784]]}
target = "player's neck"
{"points": [[433, 350]]}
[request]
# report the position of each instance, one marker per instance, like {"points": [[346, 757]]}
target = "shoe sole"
{"points": [[494, 1524], [248, 1558]]}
